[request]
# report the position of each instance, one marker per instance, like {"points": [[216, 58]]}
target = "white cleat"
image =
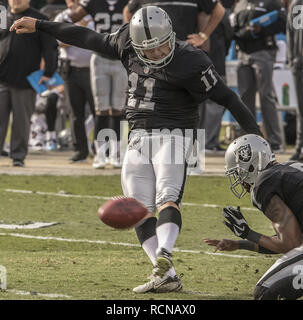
{"points": [[98, 163], [160, 285]]}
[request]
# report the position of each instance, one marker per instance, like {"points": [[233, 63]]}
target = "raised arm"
{"points": [[103, 43]]}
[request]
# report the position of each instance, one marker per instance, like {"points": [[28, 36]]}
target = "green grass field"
{"points": [[92, 270]]}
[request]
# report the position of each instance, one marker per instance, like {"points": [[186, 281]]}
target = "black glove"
{"points": [[236, 222]]}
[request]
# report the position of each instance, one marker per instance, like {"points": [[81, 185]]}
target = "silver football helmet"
{"points": [[245, 158], [151, 27]]}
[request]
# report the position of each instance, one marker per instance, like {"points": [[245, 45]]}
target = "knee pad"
{"points": [[170, 215], [146, 230]]}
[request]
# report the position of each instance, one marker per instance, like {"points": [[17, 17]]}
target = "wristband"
{"points": [[253, 236], [246, 245]]}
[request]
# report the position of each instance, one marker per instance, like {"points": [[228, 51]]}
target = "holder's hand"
{"points": [[223, 245]]}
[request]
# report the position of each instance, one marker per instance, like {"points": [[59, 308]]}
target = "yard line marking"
{"points": [[34, 293], [67, 195], [34, 225], [27, 236], [58, 194]]}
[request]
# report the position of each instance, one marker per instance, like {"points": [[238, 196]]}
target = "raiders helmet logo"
{"points": [[244, 153]]}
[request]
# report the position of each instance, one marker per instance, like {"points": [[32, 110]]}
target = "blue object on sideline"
{"points": [[35, 77]]}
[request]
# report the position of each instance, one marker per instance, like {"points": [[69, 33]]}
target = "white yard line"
{"points": [[125, 244], [62, 194], [28, 236], [58, 194], [34, 293], [30, 226], [66, 195]]}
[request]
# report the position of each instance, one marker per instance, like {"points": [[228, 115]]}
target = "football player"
{"points": [[108, 78], [277, 190], [191, 23], [168, 79]]}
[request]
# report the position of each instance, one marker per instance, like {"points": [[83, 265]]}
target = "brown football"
{"points": [[122, 212]]}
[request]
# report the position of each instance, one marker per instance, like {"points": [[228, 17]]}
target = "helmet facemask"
{"points": [[240, 181], [154, 43]]}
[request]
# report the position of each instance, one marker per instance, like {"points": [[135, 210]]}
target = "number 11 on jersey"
{"points": [[208, 78]]}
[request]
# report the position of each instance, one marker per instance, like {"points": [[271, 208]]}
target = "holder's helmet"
{"points": [[245, 158]]}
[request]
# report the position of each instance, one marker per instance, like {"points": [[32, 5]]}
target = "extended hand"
{"points": [[24, 25], [223, 245]]}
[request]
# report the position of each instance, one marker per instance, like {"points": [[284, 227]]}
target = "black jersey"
{"points": [[159, 98], [168, 97], [284, 180], [107, 14], [183, 13]]}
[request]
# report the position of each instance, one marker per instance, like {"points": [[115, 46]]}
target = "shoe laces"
{"points": [[165, 253]]}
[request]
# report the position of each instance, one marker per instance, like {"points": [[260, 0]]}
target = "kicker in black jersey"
{"points": [[160, 98]]}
